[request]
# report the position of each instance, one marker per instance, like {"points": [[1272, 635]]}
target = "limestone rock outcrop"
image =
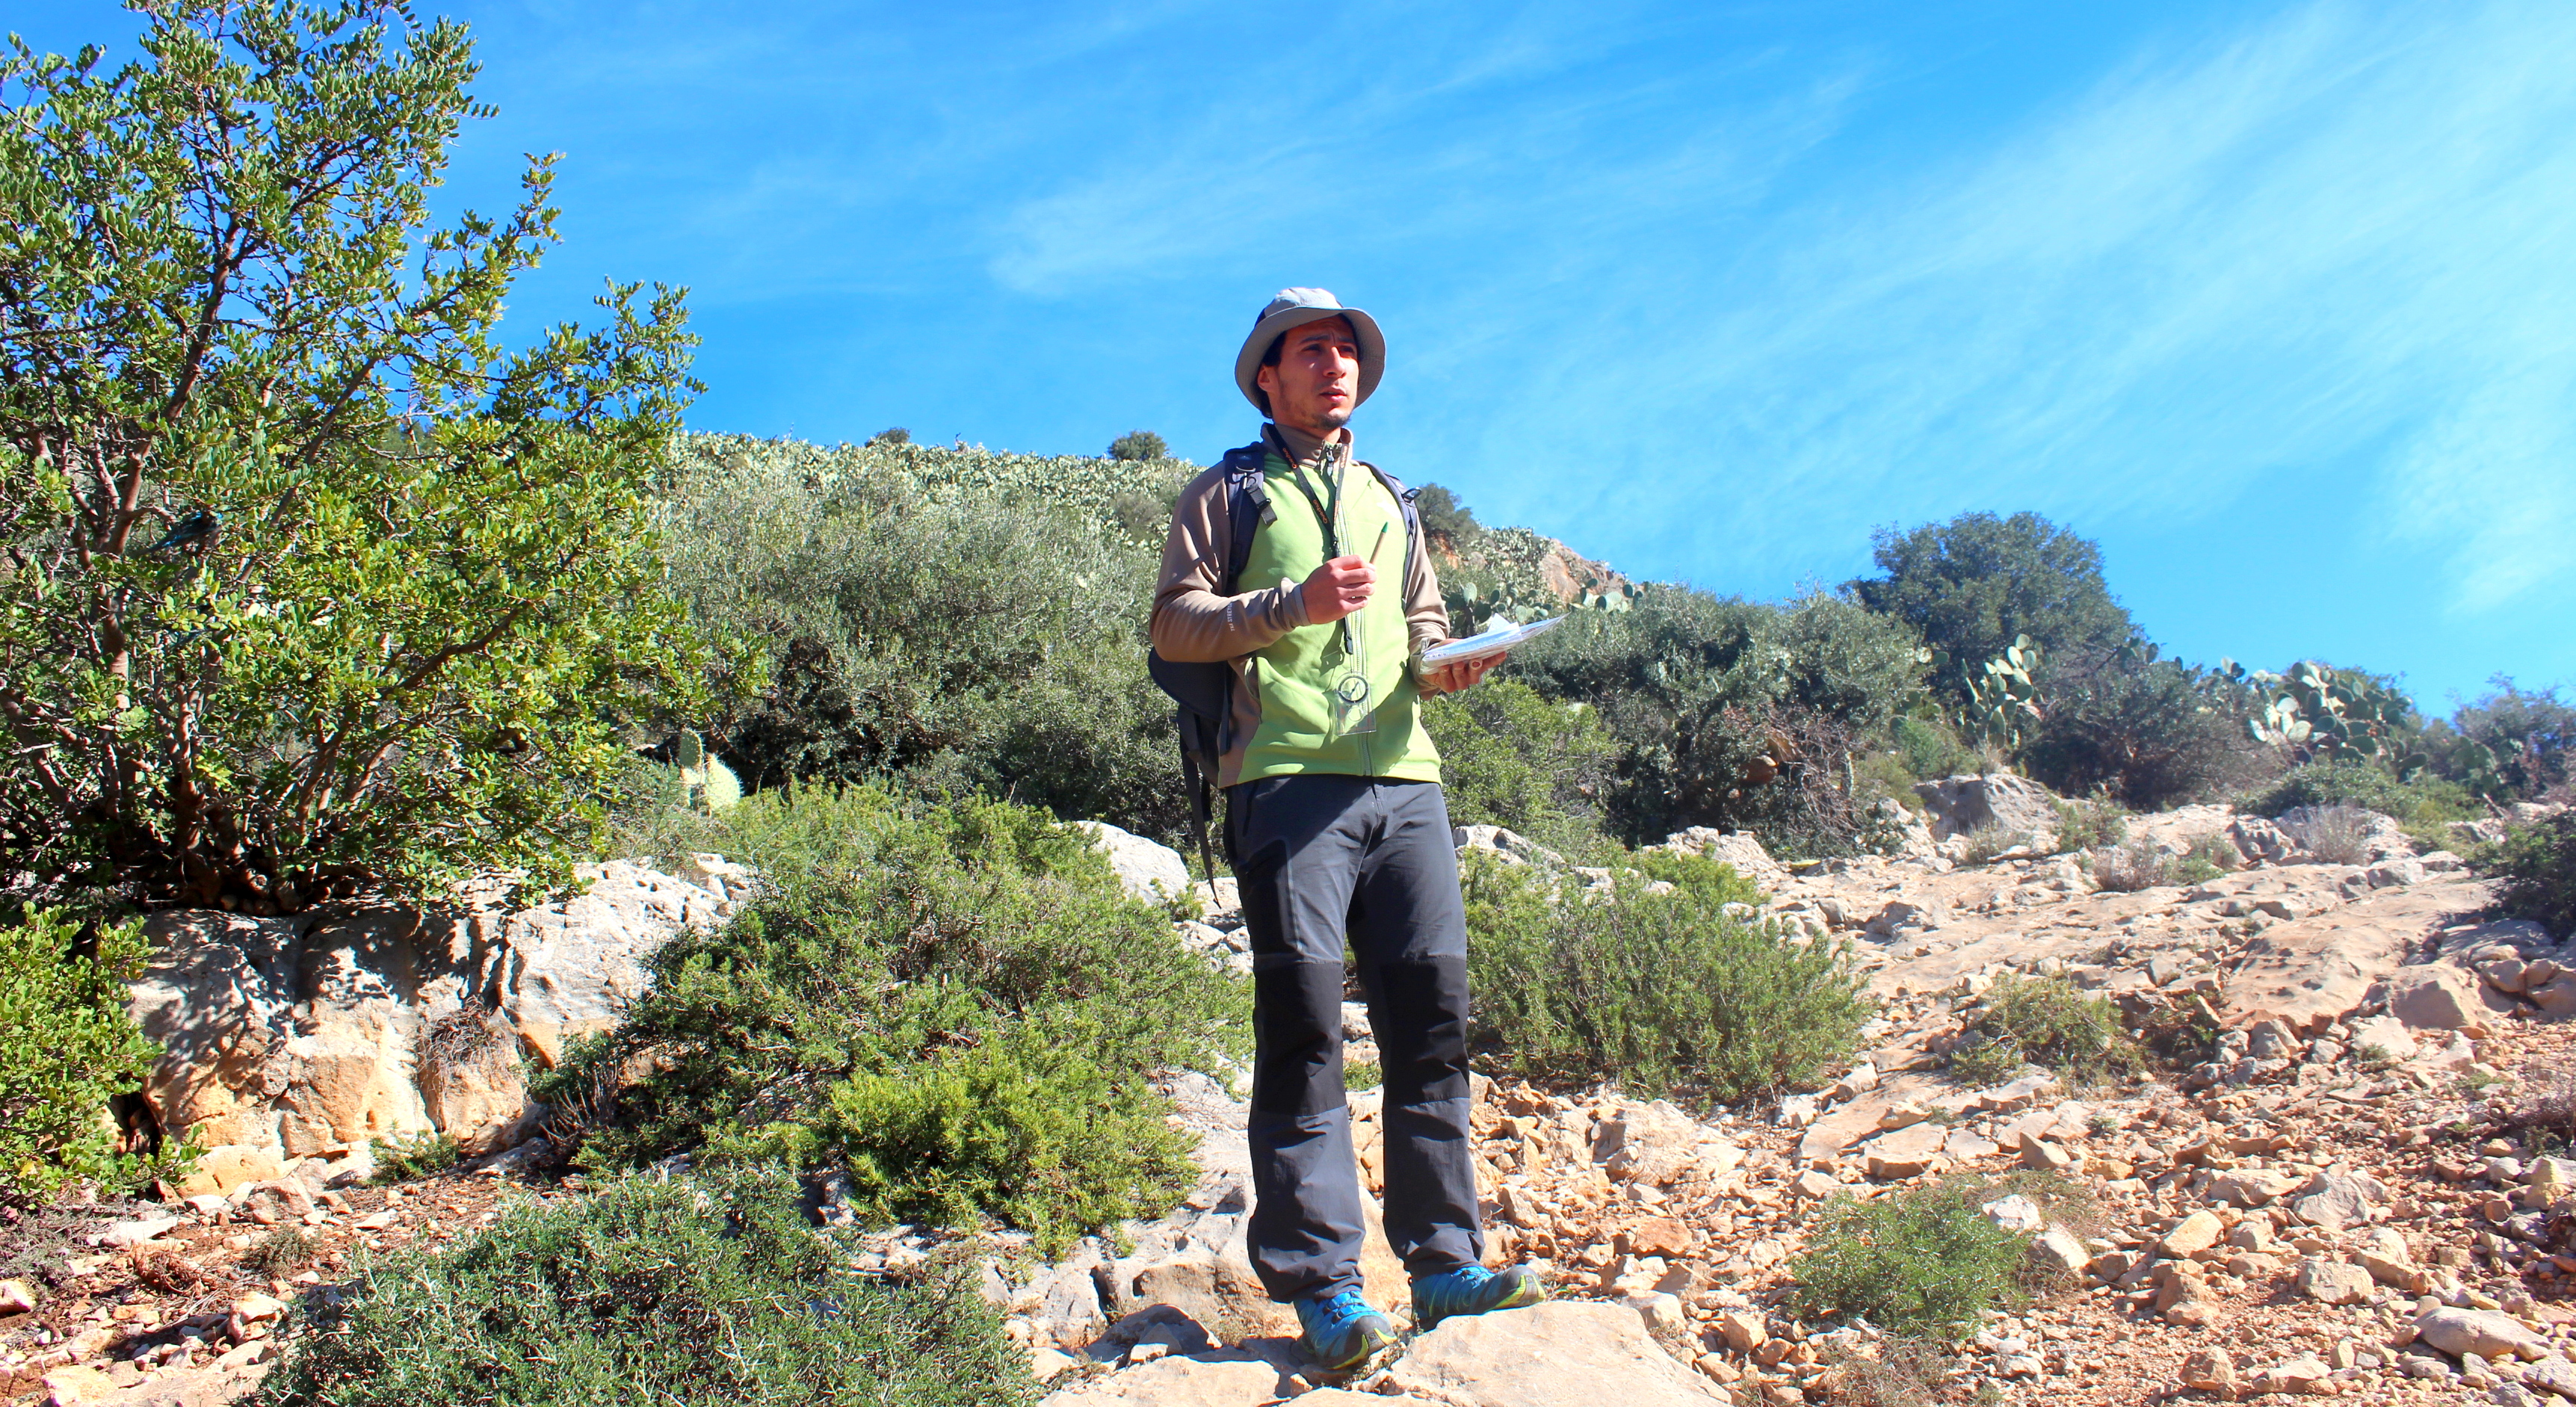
{"points": [[1998, 801], [303, 1037]]}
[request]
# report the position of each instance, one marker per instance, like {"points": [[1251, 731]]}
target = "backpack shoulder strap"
{"points": [[1404, 500], [1246, 504]]}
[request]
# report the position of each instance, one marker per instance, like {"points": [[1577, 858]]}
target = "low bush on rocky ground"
{"points": [[667, 1292], [2126, 869], [2043, 1021], [1924, 1262], [403, 1159], [2209, 857], [1986, 842], [955, 1005], [2091, 823], [2537, 869], [1929, 749], [2424, 801], [2339, 835], [1664, 991], [67, 1047]]}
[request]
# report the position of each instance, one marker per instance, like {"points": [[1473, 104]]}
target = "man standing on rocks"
{"points": [[1337, 828]]}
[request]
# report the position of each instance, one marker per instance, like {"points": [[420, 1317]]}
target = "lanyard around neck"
{"points": [[1329, 517]]}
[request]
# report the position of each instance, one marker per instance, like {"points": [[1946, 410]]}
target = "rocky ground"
{"points": [[2347, 1195]]}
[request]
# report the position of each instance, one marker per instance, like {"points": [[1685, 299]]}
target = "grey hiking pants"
{"points": [[1321, 857]]}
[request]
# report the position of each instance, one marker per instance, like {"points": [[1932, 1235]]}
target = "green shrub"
{"points": [[1883, 775], [2196, 868], [2512, 743], [1661, 991], [2043, 1021], [2091, 824], [2152, 733], [680, 1292], [1444, 516], [2537, 867], [317, 586], [2211, 855], [67, 1047], [404, 1159], [1733, 714], [1930, 750], [1139, 445], [283, 1251], [1362, 1074], [2424, 801], [1509, 757], [929, 996], [946, 621], [1972, 585], [1923, 1261], [1019, 1129]]}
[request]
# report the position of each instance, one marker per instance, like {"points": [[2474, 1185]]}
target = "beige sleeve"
{"points": [[1192, 624]]}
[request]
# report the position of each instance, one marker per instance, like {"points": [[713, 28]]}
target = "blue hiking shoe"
{"points": [[1341, 1330], [1472, 1290]]}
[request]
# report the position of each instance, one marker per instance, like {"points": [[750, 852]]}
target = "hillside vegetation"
{"points": [[952, 620]]}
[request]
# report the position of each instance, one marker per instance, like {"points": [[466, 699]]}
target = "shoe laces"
{"points": [[1342, 1307], [1465, 1277]]}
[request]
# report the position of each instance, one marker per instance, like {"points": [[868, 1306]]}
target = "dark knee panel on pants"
{"points": [[1420, 1020], [1297, 1020]]}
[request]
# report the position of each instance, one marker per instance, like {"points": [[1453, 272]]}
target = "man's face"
{"points": [[1317, 380]]}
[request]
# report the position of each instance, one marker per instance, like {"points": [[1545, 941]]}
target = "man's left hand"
{"points": [[1460, 674]]}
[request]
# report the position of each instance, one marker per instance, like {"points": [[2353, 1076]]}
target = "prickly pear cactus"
{"points": [[722, 789], [712, 785]]}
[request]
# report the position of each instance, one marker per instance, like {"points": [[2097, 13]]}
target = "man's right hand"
{"points": [[1337, 588]]}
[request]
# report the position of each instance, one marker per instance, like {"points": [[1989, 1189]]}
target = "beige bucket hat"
{"points": [[1294, 308]]}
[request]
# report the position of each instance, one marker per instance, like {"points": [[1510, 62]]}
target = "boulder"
{"points": [[2484, 1332], [2252, 1187], [1914, 840], [1221, 1379], [222, 1170], [2192, 1235], [2333, 1282], [1147, 869], [1965, 804], [2554, 1374], [1550, 1355], [1740, 851], [2438, 997], [2336, 1200], [1656, 1143], [2389, 1262], [2056, 1254], [1509, 846], [2556, 997], [1905, 1152], [2259, 840]]}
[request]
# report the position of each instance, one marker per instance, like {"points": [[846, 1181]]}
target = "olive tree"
{"points": [[307, 582]]}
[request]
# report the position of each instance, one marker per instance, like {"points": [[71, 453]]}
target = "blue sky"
{"points": [[2275, 301]]}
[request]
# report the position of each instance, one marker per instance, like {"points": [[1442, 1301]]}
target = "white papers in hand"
{"points": [[1492, 641]]}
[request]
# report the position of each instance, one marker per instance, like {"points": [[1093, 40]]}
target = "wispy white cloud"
{"points": [[2339, 238]]}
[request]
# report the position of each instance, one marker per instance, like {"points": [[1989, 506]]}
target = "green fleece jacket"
{"points": [[1289, 672]]}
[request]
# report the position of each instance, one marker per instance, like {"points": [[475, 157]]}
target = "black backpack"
{"points": [[1205, 691]]}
